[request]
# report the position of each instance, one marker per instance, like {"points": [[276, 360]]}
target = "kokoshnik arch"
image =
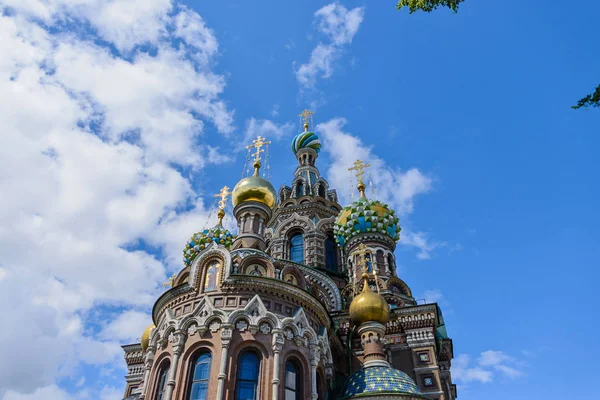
{"points": [[303, 303]]}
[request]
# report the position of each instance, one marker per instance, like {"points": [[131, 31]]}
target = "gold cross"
{"points": [[170, 282], [257, 144], [306, 115], [223, 194], [362, 252], [359, 167]]}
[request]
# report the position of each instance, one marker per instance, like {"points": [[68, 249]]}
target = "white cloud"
{"points": [[488, 365], [339, 25], [266, 128], [127, 327], [421, 241], [92, 144], [398, 188]]}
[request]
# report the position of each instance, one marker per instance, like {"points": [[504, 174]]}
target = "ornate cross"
{"points": [[359, 167], [306, 115], [257, 144], [223, 194], [362, 252], [170, 282]]}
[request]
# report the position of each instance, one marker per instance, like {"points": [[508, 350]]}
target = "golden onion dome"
{"points": [[146, 337], [369, 306], [254, 188]]}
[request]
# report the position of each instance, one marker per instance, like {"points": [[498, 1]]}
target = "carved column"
{"points": [[226, 334], [178, 344], [314, 362], [277, 342], [147, 367]]}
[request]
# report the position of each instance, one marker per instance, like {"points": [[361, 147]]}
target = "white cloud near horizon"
{"points": [[339, 26], [96, 129]]}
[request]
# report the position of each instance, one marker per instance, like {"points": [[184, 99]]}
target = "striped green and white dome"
{"points": [[306, 140]]}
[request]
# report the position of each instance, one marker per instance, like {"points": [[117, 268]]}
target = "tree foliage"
{"points": [[428, 5], [591, 100]]}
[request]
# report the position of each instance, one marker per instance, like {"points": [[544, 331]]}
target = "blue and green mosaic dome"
{"points": [[364, 216], [380, 380], [306, 140], [199, 241]]}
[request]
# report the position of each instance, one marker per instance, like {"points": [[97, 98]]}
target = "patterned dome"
{"points": [[380, 380], [306, 140], [200, 240], [363, 216]]}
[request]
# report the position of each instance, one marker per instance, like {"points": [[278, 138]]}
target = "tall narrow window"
{"points": [[331, 259], [161, 387], [293, 381], [247, 377], [199, 375], [300, 189], [297, 248]]}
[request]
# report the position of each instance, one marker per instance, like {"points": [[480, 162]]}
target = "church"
{"points": [[303, 302]]}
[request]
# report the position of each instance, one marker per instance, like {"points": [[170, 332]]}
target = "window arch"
{"points": [[297, 248], [293, 380], [162, 377], [199, 375], [320, 391], [321, 191], [300, 189], [246, 386], [331, 254]]}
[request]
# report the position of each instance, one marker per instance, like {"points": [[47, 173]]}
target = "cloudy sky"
{"points": [[121, 118]]}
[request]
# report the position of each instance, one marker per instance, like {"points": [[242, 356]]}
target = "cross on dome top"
{"points": [[359, 168]]}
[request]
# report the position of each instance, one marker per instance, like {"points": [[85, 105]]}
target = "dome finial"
{"points": [[306, 117], [257, 144], [359, 167], [223, 195]]}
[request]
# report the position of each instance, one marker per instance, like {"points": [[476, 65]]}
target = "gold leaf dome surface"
{"points": [[254, 188], [146, 337], [369, 307]]}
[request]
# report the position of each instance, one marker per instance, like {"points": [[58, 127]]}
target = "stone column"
{"points": [[226, 334], [178, 345], [314, 362], [277, 343], [147, 367], [260, 225]]}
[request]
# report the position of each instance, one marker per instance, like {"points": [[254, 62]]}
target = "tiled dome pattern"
{"points": [[200, 240], [306, 140], [363, 216], [382, 380]]}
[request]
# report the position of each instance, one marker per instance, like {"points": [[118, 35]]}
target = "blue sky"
{"points": [[123, 119]]}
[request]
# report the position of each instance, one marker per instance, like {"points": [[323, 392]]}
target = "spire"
{"points": [[306, 116], [258, 143], [223, 195], [359, 168]]}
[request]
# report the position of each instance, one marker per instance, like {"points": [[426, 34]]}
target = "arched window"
{"points": [[297, 248], [247, 376], [161, 387], [293, 381], [320, 391], [321, 191], [299, 189], [331, 258], [199, 374]]}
